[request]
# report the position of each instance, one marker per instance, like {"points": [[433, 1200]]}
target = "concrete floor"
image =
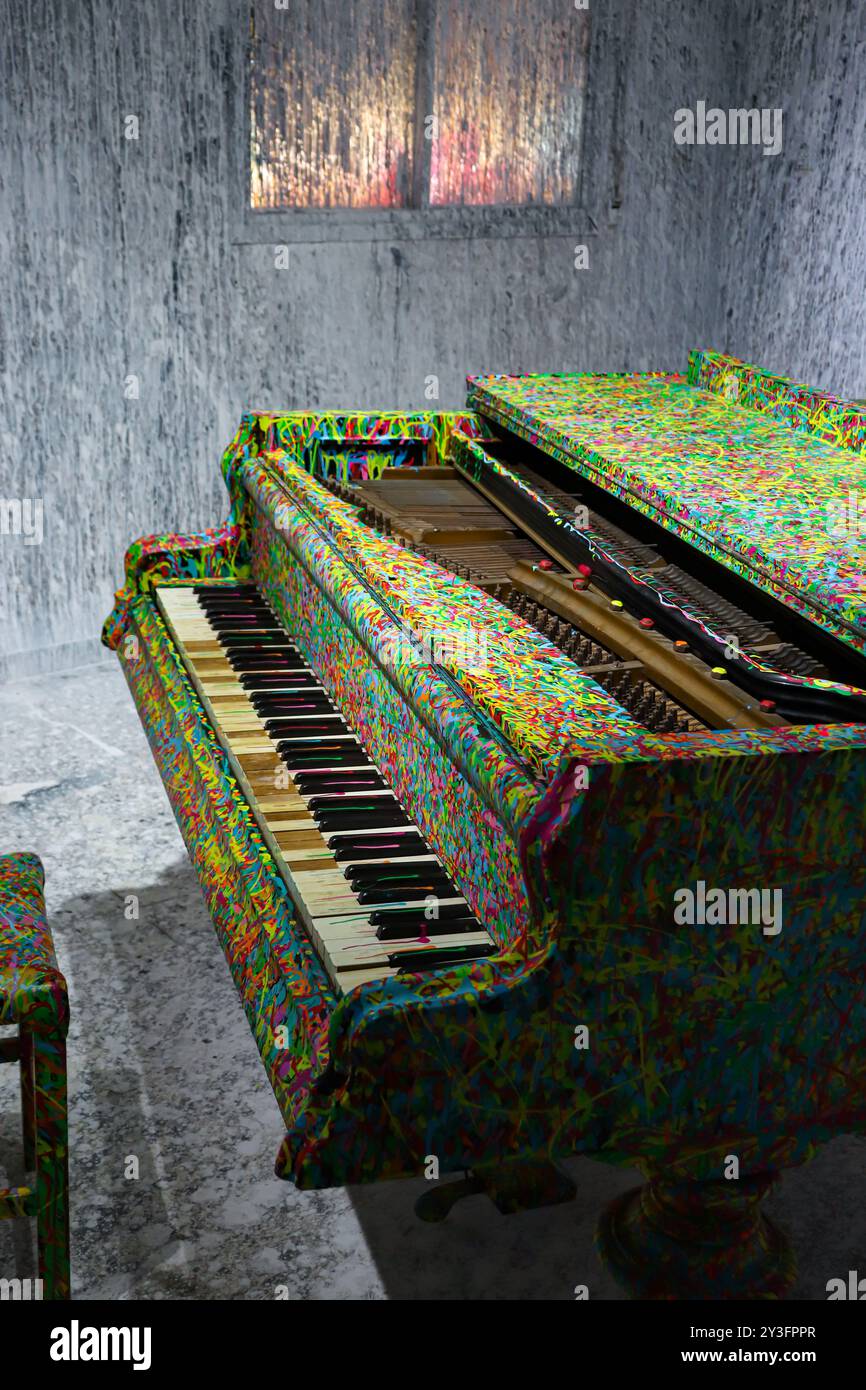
{"points": [[163, 1069]]}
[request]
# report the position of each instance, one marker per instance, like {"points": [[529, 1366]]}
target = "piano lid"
{"points": [[765, 475]]}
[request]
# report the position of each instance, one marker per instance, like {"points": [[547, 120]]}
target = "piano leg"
{"points": [[512, 1187], [688, 1240]]}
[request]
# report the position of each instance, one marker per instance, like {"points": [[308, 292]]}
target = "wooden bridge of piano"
{"points": [[451, 711]]}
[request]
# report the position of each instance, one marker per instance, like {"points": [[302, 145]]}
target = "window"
{"points": [[394, 104]]}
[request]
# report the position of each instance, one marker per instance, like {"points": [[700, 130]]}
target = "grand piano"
{"points": [[521, 755]]}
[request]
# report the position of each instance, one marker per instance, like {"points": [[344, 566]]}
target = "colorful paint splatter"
{"points": [[33, 997], [568, 825], [770, 501]]}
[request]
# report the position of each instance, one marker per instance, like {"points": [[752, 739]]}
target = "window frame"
{"points": [[421, 222]]}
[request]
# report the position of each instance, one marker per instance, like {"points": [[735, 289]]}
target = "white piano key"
{"points": [[339, 926]]}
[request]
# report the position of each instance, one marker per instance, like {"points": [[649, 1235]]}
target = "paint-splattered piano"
{"points": [[521, 754]]}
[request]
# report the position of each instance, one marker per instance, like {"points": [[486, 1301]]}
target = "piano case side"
{"points": [[284, 991], [629, 1036], [822, 414], [713, 1037]]}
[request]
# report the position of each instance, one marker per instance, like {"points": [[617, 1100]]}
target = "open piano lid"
{"points": [[765, 475]]}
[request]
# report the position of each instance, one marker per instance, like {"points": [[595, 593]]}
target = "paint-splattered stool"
{"points": [[33, 997]]}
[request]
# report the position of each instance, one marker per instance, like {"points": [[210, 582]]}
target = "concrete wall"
{"points": [[794, 245], [124, 257]]}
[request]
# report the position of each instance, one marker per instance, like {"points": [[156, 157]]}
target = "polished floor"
{"points": [[173, 1126]]}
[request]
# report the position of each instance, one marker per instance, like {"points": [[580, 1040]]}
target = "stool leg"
{"points": [[52, 1170], [28, 1103]]}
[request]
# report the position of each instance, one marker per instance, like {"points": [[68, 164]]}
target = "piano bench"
{"points": [[33, 997]]}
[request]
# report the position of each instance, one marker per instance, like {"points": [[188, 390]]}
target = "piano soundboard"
{"points": [[374, 898]]}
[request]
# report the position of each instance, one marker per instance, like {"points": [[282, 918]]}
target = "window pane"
{"points": [[333, 91], [509, 82]]}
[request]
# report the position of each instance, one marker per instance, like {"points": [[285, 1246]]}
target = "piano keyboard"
{"points": [[375, 899]]}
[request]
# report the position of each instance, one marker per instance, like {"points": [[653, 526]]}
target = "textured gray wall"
{"points": [[124, 257], [794, 243]]}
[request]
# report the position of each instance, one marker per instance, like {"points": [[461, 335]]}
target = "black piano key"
{"points": [[241, 587], [249, 662], [229, 602], [274, 675], [289, 663], [280, 704], [351, 801], [307, 702], [277, 701], [241, 623], [352, 848], [437, 889], [293, 658], [232, 599], [301, 764], [416, 962], [286, 706], [269, 680], [359, 802], [242, 620], [254, 641], [318, 743], [380, 895], [242, 627], [322, 743], [327, 755], [412, 920], [266, 703], [252, 629], [455, 926], [408, 870], [231, 610], [259, 641], [299, 726], [273, 666], [284, 734], [300, 729], [360, 805], [290, 685], [252, 646], [351, 796], [247, 625], [274, 699], [306, 707], [276, 687], [360, 820], [364, 779]]}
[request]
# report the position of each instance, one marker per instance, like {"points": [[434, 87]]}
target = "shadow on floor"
{"points": [[165, 1080]]}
